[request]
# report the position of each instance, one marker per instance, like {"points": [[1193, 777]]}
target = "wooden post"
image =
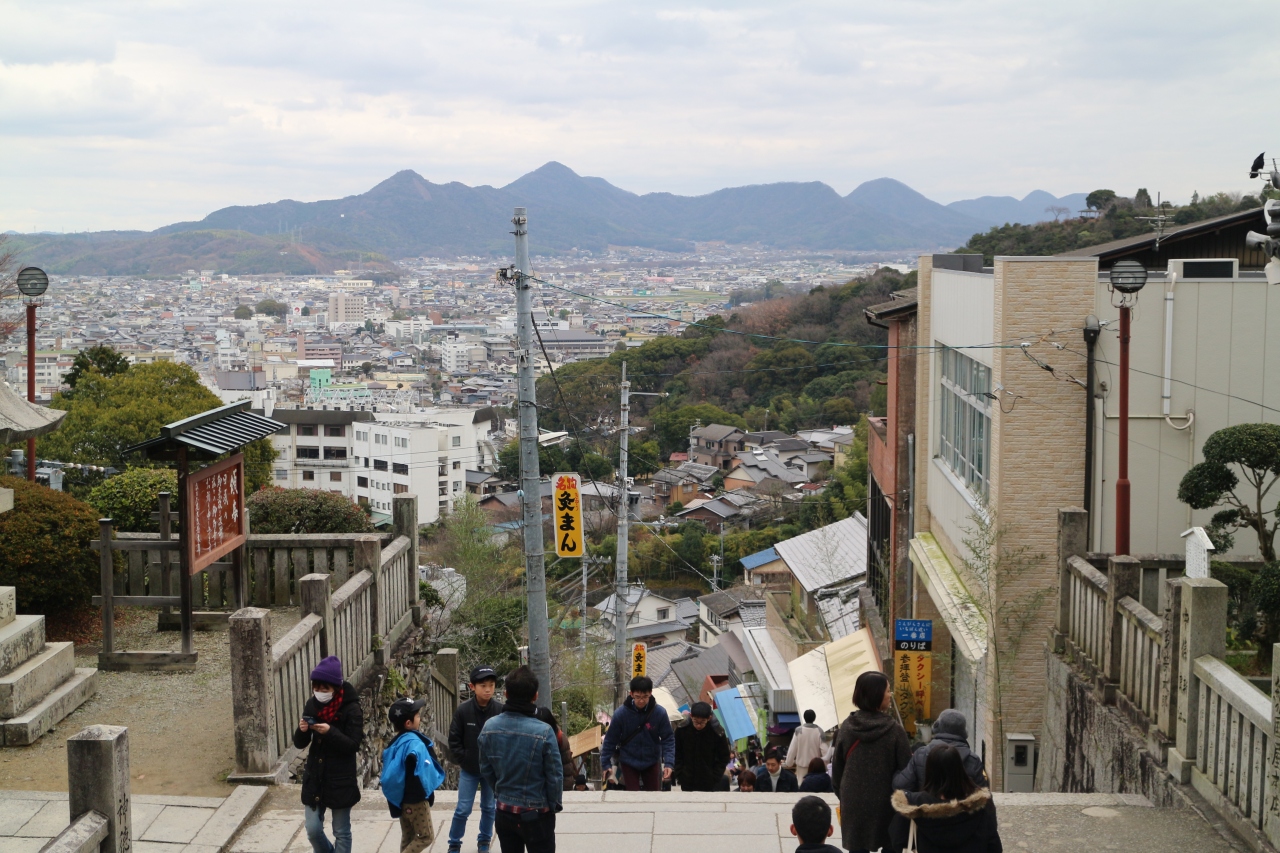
{"points": [[1204, 632], [252, 707], [1073, 541], [1124, 579], [98, 781], [106, 563], [184, 568], [166, 567], [313, 593]]}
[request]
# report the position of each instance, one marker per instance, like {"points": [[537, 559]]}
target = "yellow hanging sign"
{"points": [[913, 683], [566, 507], [638, 659]]}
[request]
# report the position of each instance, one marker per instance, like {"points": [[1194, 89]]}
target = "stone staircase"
{"points": [[39, 681]]}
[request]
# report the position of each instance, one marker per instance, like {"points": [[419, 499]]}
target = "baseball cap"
{"points": [[482, 673], [404, 710]]}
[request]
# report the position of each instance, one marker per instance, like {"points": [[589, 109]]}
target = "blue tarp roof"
{"points": [[737, 721], [759, 558]]}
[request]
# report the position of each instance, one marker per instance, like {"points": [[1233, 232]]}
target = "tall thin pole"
{"points": [[1122, 482], [31, 384], [624, 517], [582, 608], [530, 477]]}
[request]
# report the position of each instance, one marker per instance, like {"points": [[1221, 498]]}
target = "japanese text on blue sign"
{"points": [[913, 635]]}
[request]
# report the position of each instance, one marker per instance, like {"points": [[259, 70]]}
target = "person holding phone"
{"points": [[332, 725]]}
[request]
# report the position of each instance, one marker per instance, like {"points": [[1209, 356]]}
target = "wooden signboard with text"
{"points": [[215, 513], [913, 669], [566, 508]]}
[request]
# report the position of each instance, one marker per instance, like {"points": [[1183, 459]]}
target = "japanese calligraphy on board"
{"points": [[566, 507], [913, 669], [639, 660], [215, 513]]}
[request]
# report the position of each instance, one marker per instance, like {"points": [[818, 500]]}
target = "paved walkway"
{"points": [[620, 822], [161, 824]]}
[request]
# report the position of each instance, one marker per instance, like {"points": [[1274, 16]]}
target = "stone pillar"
{"points": [[98, 780], [1170, 669], [1271, 809], [404, 512], [252, 706], [1073, 541], [1203, 632], [1124, 579], [446, 663], [313, 592]]}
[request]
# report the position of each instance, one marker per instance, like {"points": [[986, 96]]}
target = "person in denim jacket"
{"points": [[520, 759]]}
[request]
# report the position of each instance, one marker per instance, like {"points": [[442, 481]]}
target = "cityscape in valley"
{"points": [[616, 508]]}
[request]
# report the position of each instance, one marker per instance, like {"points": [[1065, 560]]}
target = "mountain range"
{"points": [[409, 216]]}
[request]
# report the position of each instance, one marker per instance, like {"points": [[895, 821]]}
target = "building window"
{"points": [[308, 475], [306, 429], [664, 613], [457, 441], [964, 431], [335, 476], [362, 482], [444, 491], [444, 505], [379, 464], [335, 453], [401, 442], [379, 439], [400, 488], [400, 468], [282, 473], [335, 431], [457, 466], [457, 485], [362, 436], [308, 453]]}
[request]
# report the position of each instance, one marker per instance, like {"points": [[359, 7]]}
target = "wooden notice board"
{"points": [[215, 513], [585, 741]]}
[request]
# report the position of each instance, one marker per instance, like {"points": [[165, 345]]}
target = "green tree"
{"points": [[102, 359], [272, 308], [306, 310], [44, 541], [243, 312], [1142, 199], [128, 499], [1100, 199], [304, 511], [550, 459], [672, 426], [1253, 449]]}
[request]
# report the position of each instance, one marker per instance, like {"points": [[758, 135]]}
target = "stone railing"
{"points": [[1209, 726], [358, 623]]}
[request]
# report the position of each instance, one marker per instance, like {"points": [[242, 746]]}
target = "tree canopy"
{"points": [[45, 542], [1254, 450], [102, 359], [304, 511]]}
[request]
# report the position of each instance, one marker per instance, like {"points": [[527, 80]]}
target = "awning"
{"points": [[668, 703], [209, 434], [738, 721], [788, 719], [21, 419], [950, 595], [812, 687], [846, 660]]}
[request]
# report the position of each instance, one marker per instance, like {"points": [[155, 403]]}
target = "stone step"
{"points": [[8, 604], [26, 728], [20, 640], [36, 678]]}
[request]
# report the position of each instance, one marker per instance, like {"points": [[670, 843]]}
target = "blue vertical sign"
{"points": [[913, 635]]}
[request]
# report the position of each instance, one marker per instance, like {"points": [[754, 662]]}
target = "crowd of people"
{"points": [[514, 756]]}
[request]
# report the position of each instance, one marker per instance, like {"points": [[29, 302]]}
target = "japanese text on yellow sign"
{"points": [[638, 652], [912, 683], [567, 510]]}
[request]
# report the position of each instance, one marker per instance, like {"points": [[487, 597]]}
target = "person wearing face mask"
{"points": [[332, 725]]}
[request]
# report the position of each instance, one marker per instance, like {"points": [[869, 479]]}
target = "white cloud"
{"points": [[126, 114]]}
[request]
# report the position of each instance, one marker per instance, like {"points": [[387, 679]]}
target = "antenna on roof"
{"points": [[1160, 222]]}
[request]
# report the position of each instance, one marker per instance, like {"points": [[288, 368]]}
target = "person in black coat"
{"points": [[332, 725], [950, 814], [773, 779], [817, 780], [702, 751]]}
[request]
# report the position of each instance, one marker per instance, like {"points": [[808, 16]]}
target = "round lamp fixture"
{"points": [[32, 281], [1128, 276]]}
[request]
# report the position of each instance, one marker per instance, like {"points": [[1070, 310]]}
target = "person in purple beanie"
{"points": [[332, 725]]}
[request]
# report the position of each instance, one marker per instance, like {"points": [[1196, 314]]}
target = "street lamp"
{"points": [[1127, 278], [32, 283]]}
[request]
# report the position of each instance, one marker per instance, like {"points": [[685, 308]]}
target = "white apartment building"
{"points": [[51, 369], [458, 356], [346, 308]]}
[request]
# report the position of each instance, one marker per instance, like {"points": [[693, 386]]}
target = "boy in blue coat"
{"points": [[411, 772]]}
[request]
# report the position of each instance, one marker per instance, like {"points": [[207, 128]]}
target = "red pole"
{"points": [[1122, 482], [31, 384]]}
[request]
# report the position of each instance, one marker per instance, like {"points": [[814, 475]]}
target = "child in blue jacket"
{"points": [[411, 772]]}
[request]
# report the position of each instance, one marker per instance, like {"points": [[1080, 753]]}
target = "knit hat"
{"points": [[328, 671], [951, 722]]}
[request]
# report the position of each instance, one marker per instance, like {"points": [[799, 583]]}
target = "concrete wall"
{"points": [[963, 312]]}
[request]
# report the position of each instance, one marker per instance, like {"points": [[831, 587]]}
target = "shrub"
{"points": [[44, 548], [304, 511], [128, 499]]}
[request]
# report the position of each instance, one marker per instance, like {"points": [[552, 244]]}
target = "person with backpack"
{"points": [[950, 814], [702, 751], [639, 745], [332, 725], [870, 747], [411, 772]]}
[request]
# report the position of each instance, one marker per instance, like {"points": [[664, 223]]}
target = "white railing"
{"points": [[292, 660], [1142, 638], [1234, 737], [1088, 609]]}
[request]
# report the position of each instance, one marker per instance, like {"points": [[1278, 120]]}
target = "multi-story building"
{"points": [[346, 308], [321, 349], [51, 369], [316, 451], [716, 445]]}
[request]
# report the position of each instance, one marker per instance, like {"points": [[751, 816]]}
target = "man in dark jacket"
{"points": [[332, 725], [702, 751], [464, 731], [771, 778], [639, 744]]}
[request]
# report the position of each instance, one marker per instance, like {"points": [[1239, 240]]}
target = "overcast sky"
{"points": [[137, 114]]}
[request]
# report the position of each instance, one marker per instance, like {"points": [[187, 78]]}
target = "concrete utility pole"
{"points": [[624, 517], [530, 477]]}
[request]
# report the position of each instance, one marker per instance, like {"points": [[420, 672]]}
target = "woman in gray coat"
{"points": [[870, 747]]}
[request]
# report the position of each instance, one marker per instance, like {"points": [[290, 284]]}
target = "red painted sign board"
{"points": [[215, 513]]}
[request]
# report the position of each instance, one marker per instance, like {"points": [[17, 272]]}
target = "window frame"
{"points": [[964, 419]]}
